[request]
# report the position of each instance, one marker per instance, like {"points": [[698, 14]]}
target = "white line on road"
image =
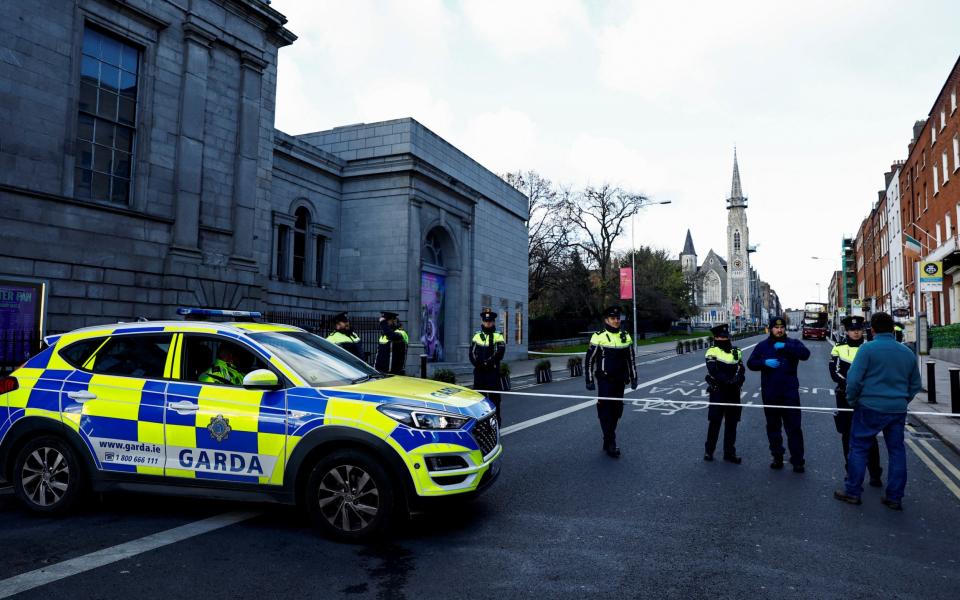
{"points": [[94, 560], [592, 402]]}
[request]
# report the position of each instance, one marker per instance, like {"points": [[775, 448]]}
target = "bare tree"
{"points": [[596, 217], [547, 242]]}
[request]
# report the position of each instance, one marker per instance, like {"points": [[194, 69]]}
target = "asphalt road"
{"points": [[564, 520]]}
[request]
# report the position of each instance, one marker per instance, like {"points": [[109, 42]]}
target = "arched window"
{"points": [[711, 288], [736, 241], [432, 252], [300, 227]]}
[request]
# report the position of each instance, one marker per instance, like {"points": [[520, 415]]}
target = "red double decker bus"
{"points": [[815, 321]]}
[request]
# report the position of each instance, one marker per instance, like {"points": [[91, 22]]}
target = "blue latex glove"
{"points": [[773, 363], [779, 346]]}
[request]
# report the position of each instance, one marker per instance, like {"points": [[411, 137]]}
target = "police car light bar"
{"points": [[215, 312]]}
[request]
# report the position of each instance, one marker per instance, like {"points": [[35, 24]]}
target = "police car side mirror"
{"points": [[261, 379]]}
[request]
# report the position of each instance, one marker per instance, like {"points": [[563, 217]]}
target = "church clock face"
{"points": [[738, 264]]}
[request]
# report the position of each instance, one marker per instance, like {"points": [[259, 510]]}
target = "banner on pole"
{"points": [[626, 283], [931, 276]]}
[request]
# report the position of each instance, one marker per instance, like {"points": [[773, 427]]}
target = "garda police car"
{"points": [[239, 409]]}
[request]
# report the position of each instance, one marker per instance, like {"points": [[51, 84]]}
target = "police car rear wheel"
{"points": [[350, 497], [47, 476]]}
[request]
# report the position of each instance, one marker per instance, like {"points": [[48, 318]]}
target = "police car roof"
{"points": [[241, 328]]}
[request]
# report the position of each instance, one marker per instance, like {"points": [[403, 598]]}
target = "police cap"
{"points": [[389, 315], [341, 318], [777, 322], [488, 315], [720, 331], [612, 311], [853, 323]]}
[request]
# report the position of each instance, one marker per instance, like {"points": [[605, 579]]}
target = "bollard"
{"points": [[931, 382], [955, 390], [686, 346], [423, 366], [679, 347]]}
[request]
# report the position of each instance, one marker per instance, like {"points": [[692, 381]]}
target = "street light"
{"points": [[633, 268]]}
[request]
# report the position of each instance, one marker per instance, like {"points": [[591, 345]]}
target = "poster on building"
{"points": [[626, 283], [432, 287], [931, 276], [21, 321]]}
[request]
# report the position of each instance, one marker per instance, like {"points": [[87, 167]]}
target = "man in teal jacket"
{"points": [[882, 380]]}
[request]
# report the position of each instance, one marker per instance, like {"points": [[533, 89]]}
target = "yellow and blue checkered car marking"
{"points": [[174, 428]]}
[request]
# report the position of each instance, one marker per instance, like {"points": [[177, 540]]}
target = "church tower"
{"points": [[688, 258], [738, 252]]}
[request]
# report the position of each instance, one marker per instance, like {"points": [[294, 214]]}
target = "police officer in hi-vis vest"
{"points": [[486, 351], [725, 377], [840, 360], [344, 336], [392, 348], [610, 365]]}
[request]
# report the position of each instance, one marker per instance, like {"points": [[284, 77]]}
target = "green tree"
{"points": [[662, 293]]}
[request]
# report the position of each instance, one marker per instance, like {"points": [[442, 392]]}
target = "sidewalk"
{"points": [[945, 428], [558, 362]]}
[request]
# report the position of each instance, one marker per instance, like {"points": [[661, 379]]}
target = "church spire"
{"points": [[735, 190], [688, 246]]}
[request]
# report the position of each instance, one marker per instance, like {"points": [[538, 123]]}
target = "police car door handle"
{"points": [[184, 406], [81, 396]]}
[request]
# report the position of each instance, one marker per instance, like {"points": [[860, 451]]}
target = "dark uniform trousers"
{"points": [[844, 421], [728, 416], [610, 411], [488, 379], [787, 420]]}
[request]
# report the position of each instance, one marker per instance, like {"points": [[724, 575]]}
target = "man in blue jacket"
{"points": [[776, 358], [882, 380]]}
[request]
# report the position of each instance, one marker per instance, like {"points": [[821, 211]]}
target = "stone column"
{"points": [[280, 219], [189, 165], [415, 247], [247, 159]]}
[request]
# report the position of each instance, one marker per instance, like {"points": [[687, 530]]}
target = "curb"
{"points": [[926, 421]]}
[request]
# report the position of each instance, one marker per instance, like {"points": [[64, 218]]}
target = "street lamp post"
{"points": [[633, 270]]}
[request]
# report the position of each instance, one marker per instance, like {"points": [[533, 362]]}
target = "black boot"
{"points": [[732, 458], [777, 462], [708, 456]]}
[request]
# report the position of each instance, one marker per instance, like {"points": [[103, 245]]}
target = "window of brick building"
{"points": [[933, 135], [953, 101], [945, 165], [106, 124], [936, 181], [956, 152], [943, 119]]}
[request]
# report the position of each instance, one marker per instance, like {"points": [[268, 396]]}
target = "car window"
{"points": [[215, 360], [77, 353], [133, 356], [318, 361]]}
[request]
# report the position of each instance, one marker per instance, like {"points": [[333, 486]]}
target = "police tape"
{"points": [[698, 404]]}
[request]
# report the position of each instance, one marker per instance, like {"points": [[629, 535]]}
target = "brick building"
{"points": [[140, 170], [930, 198]]}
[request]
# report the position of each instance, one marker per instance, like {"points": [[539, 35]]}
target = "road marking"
{"points": [[592, 402], [100, 558], [936, 470]]}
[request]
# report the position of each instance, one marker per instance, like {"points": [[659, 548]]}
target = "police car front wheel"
{"points": [[350, 497], [47, 476]]}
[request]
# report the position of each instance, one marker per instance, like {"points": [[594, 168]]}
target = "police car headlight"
{"points": [[423, 419]]}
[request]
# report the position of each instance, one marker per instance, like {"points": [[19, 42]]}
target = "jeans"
{"points": [[866, 425]]}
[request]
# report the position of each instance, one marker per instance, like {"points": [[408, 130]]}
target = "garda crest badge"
{"points": [[219, 428]]}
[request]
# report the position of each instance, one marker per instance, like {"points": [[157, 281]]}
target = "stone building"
{"points": [[140, 170], [727, 291]]}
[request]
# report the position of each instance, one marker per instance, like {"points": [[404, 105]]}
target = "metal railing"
{"points": [[368, 328]]}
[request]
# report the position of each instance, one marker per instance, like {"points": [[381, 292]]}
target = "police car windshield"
{"points": [[319, 362]]}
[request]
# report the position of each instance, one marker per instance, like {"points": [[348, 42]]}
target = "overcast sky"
{"points": [[819, 98]]}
